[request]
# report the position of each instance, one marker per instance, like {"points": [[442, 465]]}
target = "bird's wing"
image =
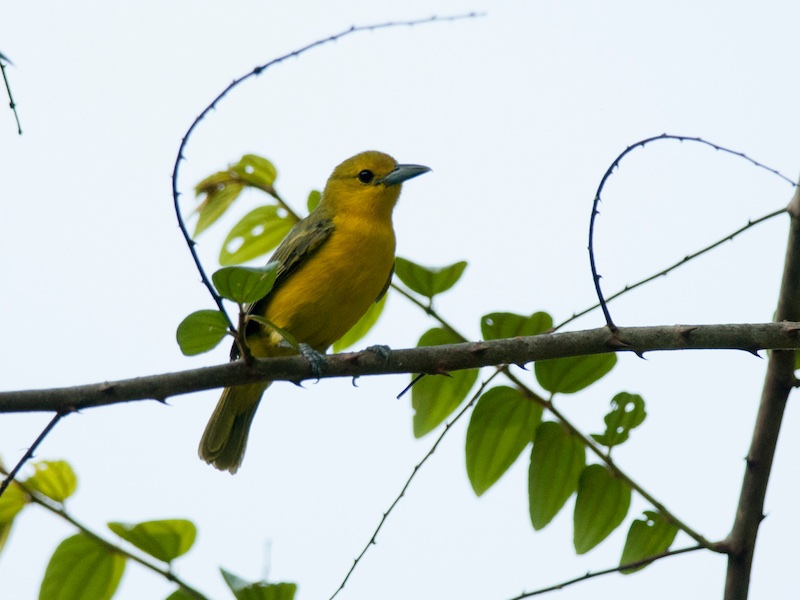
{"points": [[299, 244], [386, 285]]}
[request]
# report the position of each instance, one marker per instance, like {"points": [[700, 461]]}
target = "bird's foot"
{"points": [[383, 351], [316, 360]]}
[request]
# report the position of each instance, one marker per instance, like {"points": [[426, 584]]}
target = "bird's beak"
{"points": [[403, 173]]}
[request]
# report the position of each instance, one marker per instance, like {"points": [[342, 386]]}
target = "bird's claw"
{"points": [[316, 360], [383, 351]]}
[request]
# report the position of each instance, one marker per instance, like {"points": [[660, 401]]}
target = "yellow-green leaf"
{"points": [[428, 281], [82, 568], [245, 284], [434, 397], [255, 171], [500, 325], [314, 196], [220, 192], [201, 331], [627, 412], [165, 540], [602, 503], [55, 479], [362, 327], [12, 501], [647, 537], [557, 460], [502, 424], [256, 234], [260, 590], [572, 374]]}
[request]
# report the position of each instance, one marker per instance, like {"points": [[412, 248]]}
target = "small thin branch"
{"points": [[674, 266], [30, 452], [235, 83], [779, 381], [59, 510], [11, 102], [402, 493], [593, 574], [614, 165], [428, 359]]}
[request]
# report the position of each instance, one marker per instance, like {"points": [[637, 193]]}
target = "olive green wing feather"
{"points": [[302, 241]]}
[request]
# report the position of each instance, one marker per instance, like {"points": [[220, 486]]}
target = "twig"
{"points": [[593, 574], [29, 453], [674, 266], [11, 102], [235, 83], [595, 204], [385, 516]]}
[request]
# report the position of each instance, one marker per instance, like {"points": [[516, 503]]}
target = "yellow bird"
{"points": [[332, 266]]}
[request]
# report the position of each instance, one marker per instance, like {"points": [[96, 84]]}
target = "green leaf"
{"points": [[166, 540], [602, 503], [220, 191], [260, 590], [201, 331], [796, 360], [82, 568], [244, 285], [362, 327], [647, 537], [557, 460], [570, 375], [428, 281], [434, 397], [55, 479], [12, 501], [502, 424], [627, 413], [255, 171], [502, 325], [314, 196], [258, 232]]}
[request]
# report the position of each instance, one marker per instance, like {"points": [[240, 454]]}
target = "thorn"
{"points": [[684, 332], [753, 352], [617, 344], [355, 381], [478, 348]]}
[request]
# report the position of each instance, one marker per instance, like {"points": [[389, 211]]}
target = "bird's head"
{"points": [[368, 183]]}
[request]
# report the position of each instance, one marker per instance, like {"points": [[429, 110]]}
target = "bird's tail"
{"points": [[225, 438]]}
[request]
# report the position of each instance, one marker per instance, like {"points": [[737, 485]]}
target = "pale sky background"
{"points": [[519, 114]]}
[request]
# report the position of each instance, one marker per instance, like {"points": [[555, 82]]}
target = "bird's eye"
{"points": [[366, 176]]}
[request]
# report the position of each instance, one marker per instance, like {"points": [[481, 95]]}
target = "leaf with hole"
{"points": [[601, 505], [428, 281], [503, 423], [165, 540], [557, 460], [82, 568], [53, 478], [256, 234], [650, 536], [220, 190], [255, 171], [201, 331], [572, 374], [434, 397], [501, 325], [627, 412]]}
